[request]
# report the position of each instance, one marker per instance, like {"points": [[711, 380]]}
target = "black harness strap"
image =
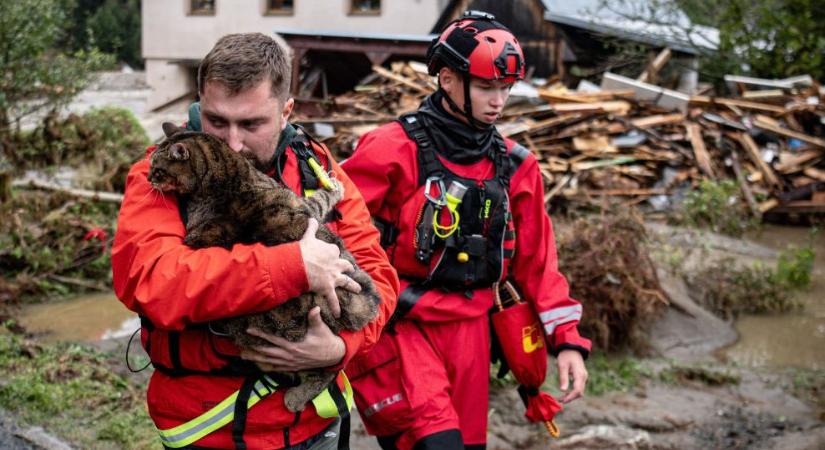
{"points": [[239, 421], [429, 165], [343, 414], [408, 298]]}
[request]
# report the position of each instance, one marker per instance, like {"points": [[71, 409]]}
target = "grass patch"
{"points": [[809, 385], [615, 373], [70, 390]]}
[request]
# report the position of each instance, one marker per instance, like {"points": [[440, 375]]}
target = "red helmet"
{"points": [[478, 45]]}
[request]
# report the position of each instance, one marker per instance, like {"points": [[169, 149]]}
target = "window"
{"points": [[367, 7], [279, 7], [202, 7]]}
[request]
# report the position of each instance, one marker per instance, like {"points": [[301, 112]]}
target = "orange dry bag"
{"points": [[522, 343]]}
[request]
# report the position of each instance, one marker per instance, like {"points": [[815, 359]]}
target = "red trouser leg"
{"points": [[425, 379]]}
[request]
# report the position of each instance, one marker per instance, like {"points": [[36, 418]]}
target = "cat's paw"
{"points": [[295, 399]]}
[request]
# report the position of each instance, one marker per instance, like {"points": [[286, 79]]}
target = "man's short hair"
{"points": [[241, 61]]}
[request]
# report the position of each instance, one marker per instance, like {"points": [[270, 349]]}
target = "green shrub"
{"points": [[718, 206]]}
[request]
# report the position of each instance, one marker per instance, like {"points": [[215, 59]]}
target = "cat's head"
{"points": [[171, 165]]}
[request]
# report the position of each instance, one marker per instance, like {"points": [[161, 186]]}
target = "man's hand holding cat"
{"points": [[324, 268], [319, 348]]}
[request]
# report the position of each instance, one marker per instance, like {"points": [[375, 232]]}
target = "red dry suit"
{"points": [[177, 290], [427, 379]]}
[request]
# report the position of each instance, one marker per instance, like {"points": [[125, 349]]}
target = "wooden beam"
{"points": [[403, 80], [700, 152], [111, 197], [655, 121], [652, 69], [753, 152], [743, 184], [703, 100], [789, 133]]}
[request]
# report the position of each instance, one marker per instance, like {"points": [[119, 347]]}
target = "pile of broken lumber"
{"points": [[629, 141]]}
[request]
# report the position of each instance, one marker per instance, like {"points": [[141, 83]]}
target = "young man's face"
{"points": [[487, 97], [249, 121]]}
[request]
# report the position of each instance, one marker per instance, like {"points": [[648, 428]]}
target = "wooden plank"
{"points": [[743, 185], [111, 197], [815, 173], [652, 69], [756, 157], [703, 100], [582, 97], [794, 163], [789, 133], [700, 152], [401, 79], [623, 192], [620, 107], [657, 120]]}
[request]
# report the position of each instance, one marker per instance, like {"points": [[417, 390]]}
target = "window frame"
{"points": [[353, 11], [269, 11], [192, 11]]}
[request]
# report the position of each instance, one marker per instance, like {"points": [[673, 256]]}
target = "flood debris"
{"points": [[617, 141], [607, 264]]}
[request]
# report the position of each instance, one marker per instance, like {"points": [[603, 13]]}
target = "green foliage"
{"points": [[613, 373], [115, 29], [794, 267], [36, 76], [101, 145], [773, 38], [718, 206], [71, 390]]}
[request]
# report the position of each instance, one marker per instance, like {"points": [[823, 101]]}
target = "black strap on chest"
{"points": [[429, 165]]}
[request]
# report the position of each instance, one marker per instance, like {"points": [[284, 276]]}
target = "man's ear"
{"points": [[287, 111], [170, 129], [179, 152], [447, 79]]}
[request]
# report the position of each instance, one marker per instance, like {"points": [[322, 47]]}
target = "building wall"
{"points": [[173, 41], [169, 32]]}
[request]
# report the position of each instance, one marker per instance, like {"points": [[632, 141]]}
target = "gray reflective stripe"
{"points": [[229, 410], [214, 417], [558, 316]]}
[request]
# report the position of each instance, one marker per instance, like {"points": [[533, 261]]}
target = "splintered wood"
{"points": [[616, 145]]}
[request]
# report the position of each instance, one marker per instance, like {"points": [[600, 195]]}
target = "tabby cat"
{"points": [[228, 201]]}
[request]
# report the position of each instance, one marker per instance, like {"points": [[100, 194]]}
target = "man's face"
{"points": [[487, 97], [249, 121]]}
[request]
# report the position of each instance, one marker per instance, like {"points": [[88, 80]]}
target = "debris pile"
{"points": [[628, 141]]}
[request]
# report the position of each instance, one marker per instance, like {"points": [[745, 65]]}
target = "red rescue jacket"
{"points": [[385, 169], [177, 289]]}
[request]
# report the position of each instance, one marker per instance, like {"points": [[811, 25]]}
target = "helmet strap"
{"points": [[467, 111]]}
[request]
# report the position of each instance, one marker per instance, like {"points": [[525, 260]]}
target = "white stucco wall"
{"points": [[170, 33]]}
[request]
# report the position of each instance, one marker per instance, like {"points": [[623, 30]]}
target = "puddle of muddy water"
{"points": [[88, 318], [795, 339]]}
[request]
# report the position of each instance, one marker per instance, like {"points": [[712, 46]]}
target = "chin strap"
{"points": [[467, 112]]}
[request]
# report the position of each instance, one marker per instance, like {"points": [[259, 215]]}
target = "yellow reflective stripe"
{"points": [[325, 405], [224, 412], [217, 417], [319, 172]]}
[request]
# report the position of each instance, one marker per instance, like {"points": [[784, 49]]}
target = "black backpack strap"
{"points": [[428, 163], [300, 145]]}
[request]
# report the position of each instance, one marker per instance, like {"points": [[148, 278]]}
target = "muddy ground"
{"points": [[757, 412]]}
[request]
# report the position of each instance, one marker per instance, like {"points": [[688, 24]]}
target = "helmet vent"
{"points": [[489, 39]]}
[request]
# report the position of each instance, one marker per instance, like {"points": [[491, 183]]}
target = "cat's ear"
{"points": [[179, 152], [170, 129]]}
